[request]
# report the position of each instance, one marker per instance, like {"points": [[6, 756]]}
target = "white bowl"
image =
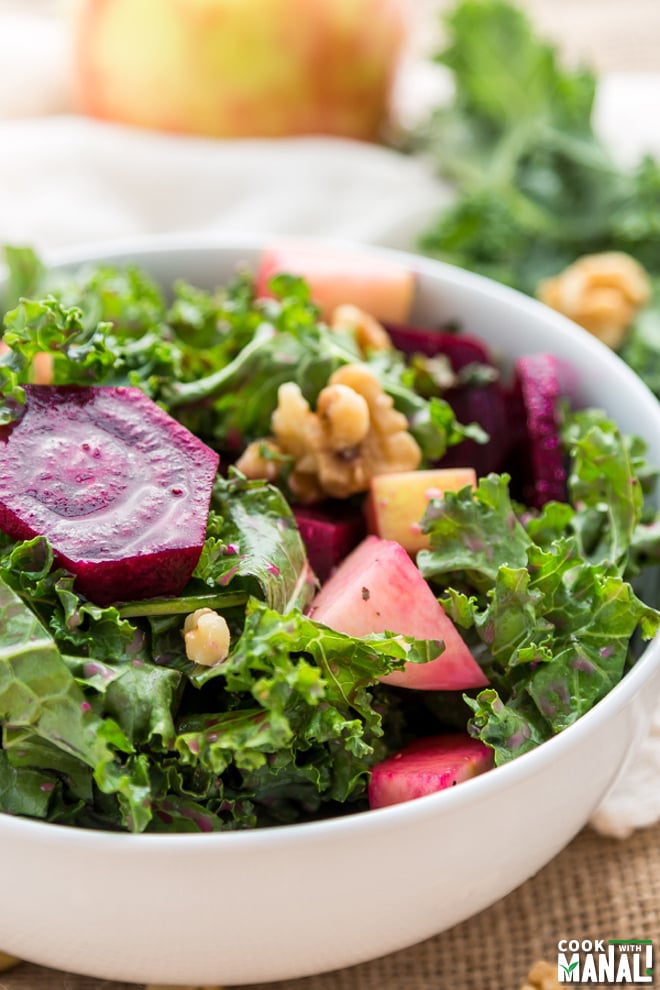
{"points": [[244, 907]]}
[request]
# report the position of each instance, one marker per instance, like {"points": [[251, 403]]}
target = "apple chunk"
{"points": [[376, 285], [377, 589], [427, 766], [397, 502]]}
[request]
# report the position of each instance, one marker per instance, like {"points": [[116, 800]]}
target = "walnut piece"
{"points": [[370, 335], [7, 962], [354, 433], [261, 459], [601, 292], [206, 636], [542, 976]]}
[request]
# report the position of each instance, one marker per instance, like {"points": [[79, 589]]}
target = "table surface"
{"points": [[597, 888]]}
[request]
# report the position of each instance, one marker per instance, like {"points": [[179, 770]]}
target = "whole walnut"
{"points": [[334, 450], [601, 292]]}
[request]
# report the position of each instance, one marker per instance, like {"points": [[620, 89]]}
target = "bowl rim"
{"points": [[382, 820]]}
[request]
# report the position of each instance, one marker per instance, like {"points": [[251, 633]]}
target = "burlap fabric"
{"points": [[597, 888]]}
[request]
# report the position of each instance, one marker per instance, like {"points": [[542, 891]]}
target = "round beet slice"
{"points": [[118, 487]]}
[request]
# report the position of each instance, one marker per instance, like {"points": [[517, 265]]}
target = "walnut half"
{"points": [[353, 434], [542, 976], [601, 292]]}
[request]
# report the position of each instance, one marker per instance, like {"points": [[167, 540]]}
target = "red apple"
{"points": [[376, 588], [239, 68]]}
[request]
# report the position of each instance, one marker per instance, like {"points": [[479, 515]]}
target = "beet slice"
{"points": [[537, 387], [329, 531], [119, 488]]}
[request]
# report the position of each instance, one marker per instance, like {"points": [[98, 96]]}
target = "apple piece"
{"points": [[377, 589], [397, 502], [239, 68], [427, 766], [376, 285]]}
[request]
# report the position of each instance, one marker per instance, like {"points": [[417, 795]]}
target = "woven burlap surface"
{"points": [[597, 888]]}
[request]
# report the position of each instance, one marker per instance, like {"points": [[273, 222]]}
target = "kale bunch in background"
{"points": [[537, 188]]}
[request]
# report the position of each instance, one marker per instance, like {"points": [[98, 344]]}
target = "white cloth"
{"points": [[66, 180], [634, 801]]}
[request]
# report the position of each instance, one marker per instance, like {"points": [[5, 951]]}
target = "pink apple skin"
{"points": [[376, 285], [239, 68], [427, 766], [377, 588]]}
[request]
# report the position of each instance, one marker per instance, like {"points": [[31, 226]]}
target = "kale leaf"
{"points": [[546, 593]]}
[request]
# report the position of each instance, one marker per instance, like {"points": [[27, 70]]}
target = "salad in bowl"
{"points": [[294, 539]]}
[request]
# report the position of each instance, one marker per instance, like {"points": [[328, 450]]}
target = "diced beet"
{"points": [[536, 390], [487, 405], [118, 487], [460, 349], [378, 589], [329, 531], [427, 766]]}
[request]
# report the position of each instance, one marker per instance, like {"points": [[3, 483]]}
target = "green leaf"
{"points": [[476, 531], [26, 750], [253, 535], [505, 74], [545, 592], [25, 274], [602, 612], [510, 729], [536, 187], [38, 692], [311, 705], [603, 486], [140, 697], [511, 620], [28, 792]]}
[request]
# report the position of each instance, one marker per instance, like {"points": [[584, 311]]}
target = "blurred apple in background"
{"points": [[240, 68]]}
